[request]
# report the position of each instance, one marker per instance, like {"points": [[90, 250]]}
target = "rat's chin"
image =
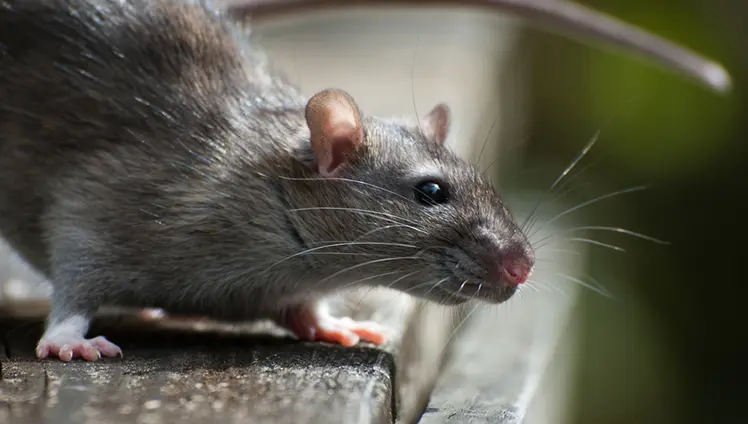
{"points": [[444, 297], [483, 292], [496, 295], [440, 295], [454, 293]]}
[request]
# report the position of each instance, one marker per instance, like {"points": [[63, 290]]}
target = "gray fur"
{"points": [[148, 158]]}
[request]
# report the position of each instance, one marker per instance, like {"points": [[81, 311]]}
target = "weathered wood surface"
{"points": [[498, 361], [172, 376], [196, 371]]}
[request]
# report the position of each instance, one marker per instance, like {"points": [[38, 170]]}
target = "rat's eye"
{"points": [[431, 193]]}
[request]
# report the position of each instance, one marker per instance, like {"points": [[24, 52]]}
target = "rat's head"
{"points": [[417, 215]]}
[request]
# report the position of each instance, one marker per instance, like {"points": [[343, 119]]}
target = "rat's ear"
{"points": [[435, 125], [335, 127]]}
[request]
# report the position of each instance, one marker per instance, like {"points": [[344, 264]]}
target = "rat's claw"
{"points": [[320, 326], [105, 347], [42, 351], [69, 347]]}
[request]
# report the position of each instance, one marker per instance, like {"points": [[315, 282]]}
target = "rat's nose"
{"points": [[516, 272], [511, 271]]}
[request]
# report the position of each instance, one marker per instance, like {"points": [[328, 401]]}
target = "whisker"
{"points": [[617, 230], [513, 146], [456, 329], [539, 260], [528, 285], [455, 295], [488, 138], [561, 176], [577, 159], [543, 242], [526, 224], [462, 286], [409, 289], [419, 285], [490, 165], [434, 285], [413, 86], [549, 287], [387, 286], [579, 174], [599, 290], [371, 277], [590, 202], [361, 211], [387, 227], [402, 278], [571, 252], [350, 243], [602, 287], [349, 180], [597, 243], [375, 261], [561, 194], [345, 254]]}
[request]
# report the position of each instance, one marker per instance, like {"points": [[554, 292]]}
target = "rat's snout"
{"points": [[500, 264], [510, 269], [507, 262]]}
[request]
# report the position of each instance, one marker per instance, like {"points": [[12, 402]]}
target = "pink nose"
{"points": [[516, 273]]}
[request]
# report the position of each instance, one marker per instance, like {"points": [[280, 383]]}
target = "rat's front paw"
{"points": [[67, 347], [308, 324]]}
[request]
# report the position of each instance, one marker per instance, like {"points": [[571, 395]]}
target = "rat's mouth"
{"points": [[456, 293], [485, 292], [465, 282], [467, 286]]}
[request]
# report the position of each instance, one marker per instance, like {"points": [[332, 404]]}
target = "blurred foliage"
{"points": [[640, 108], [678, 124], [671, 347]]}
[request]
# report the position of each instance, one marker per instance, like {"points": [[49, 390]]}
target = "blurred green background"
{"points": [[671, 346]]}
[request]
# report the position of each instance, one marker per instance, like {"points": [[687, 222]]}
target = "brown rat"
{"points": [[148, 158]]}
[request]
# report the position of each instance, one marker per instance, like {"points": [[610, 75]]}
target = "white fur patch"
{"points": [[76, 325]]}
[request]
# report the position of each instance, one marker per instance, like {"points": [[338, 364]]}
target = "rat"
{"points": [[150, 158]]}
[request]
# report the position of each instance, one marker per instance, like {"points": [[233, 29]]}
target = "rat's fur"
{"points": [[148, 158]]}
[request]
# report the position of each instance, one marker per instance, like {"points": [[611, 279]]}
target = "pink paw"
{"points": [[315, 326], [68, 347]]}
